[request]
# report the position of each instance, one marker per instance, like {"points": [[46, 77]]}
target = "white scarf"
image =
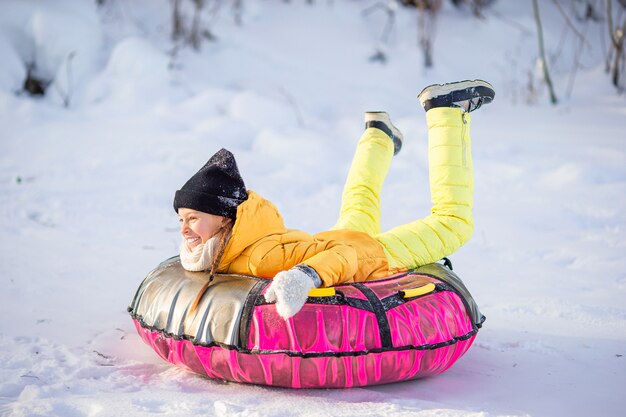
{"points": [[199, 258]]}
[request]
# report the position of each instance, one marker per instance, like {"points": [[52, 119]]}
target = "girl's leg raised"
{"points": [[360, 202], [450, 223]]}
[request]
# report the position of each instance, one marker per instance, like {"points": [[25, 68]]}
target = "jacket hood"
{"points": [[256, 219]]}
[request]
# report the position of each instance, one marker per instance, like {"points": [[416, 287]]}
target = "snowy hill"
{"points": [[88, 172]]}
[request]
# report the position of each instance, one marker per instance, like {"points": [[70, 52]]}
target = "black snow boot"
{"points": [[467, 95], [380, 120]]}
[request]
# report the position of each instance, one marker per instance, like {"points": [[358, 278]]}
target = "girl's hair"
{"points": [[223, 233]]}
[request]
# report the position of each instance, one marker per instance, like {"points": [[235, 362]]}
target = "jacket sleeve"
{"points": [[334, 261]]}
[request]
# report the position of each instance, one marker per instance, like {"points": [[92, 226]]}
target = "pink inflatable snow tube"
{"points": [[404, 327]]}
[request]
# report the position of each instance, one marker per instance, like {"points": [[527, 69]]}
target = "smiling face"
{"points": [[198, 227]]}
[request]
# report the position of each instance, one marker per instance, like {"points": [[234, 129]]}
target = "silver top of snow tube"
{"points": [[166, 295]]}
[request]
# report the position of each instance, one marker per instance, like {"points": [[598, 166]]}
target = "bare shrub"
{"points": [[426, 25], [617, 31]]}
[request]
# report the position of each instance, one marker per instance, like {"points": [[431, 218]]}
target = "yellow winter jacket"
{"points": [[261, 245]]}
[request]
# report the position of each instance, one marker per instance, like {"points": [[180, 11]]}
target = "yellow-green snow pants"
{"points": [[450, 224]]}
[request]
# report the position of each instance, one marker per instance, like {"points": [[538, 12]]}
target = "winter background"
{"points": [[88, 172]]}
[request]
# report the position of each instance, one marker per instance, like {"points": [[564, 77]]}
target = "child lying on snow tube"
{"points": [[228, 229]]}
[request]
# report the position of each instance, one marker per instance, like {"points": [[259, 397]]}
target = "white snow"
{"points": [[86, 196], [62, 40]]}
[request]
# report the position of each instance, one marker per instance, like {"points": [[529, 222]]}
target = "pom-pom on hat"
{"points": [[217, 188]]}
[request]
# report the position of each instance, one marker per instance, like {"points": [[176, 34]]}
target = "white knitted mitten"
{"points": [[289, 289]]}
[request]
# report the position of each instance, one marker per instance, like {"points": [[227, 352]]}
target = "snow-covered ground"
{"points": [[86, 193]]}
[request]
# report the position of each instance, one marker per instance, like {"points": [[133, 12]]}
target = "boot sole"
{"points": [[470, 87]]}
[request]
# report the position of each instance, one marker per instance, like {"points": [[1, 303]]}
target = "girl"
{"points": [[228, 229]]}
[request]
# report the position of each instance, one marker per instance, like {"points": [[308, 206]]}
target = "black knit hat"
{"points": [[216, 189]]}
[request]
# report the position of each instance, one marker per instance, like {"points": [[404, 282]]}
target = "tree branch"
{"points": [[542, 54], [569, 22]]}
